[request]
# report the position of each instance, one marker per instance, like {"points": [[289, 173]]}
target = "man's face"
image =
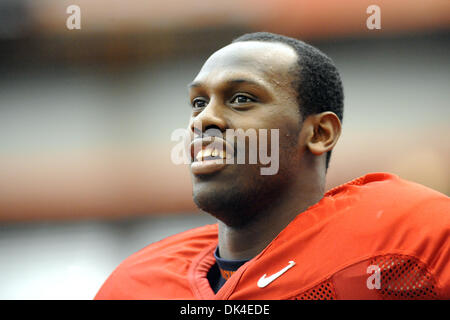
{"points": [[245, 85]]}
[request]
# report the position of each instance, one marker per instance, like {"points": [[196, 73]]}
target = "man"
{"points": [[280, 236]]}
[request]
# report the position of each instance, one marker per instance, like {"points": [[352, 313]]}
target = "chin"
{"points": [[235, 204]]}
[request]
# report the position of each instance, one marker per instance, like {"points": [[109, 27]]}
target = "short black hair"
{"points": [[318, 82]]}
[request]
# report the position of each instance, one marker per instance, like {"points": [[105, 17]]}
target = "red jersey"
{"points": [[376, 237]]}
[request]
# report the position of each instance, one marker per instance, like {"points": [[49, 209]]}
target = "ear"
{"points": [[324, 130]]}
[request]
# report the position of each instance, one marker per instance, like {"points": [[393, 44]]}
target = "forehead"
{"points": [[265, 61]]}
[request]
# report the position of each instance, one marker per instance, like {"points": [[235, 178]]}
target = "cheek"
{"points": [[276, 137], [288, 146], [288, 132]]}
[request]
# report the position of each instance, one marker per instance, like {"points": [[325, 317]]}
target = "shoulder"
{"points": [[388, 186], [387, 199], [163, 263], [387, 210], [179, 243]]}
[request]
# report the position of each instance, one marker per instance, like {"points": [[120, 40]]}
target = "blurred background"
{"points": [[86, 117]]}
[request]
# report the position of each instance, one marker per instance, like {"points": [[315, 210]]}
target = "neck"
{"points": [[245, 242]]}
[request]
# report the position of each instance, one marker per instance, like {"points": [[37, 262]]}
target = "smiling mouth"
{"points": [[209, 157], [210, 154]]}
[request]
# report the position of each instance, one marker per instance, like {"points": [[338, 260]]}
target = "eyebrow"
{"points": [[197, 84]]}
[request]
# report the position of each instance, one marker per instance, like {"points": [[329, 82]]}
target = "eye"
{"points": [[240, 98], [199, 103]]}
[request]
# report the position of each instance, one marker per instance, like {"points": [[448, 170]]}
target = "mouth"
{"points": [[210, 155]]}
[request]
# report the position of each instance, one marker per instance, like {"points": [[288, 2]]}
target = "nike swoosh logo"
{"points": [[263, 281]]}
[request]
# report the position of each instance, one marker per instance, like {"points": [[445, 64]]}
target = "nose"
{"points": [[211, 117]]}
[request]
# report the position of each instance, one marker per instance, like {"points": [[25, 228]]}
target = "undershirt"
{"points": [[222, 270]]}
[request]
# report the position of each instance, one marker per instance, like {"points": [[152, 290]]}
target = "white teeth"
{"points": [[198, 157], [203, 154], [206, 153], [210, 152]]}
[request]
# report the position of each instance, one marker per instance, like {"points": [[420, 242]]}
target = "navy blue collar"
{"points": [[227, 267]]}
